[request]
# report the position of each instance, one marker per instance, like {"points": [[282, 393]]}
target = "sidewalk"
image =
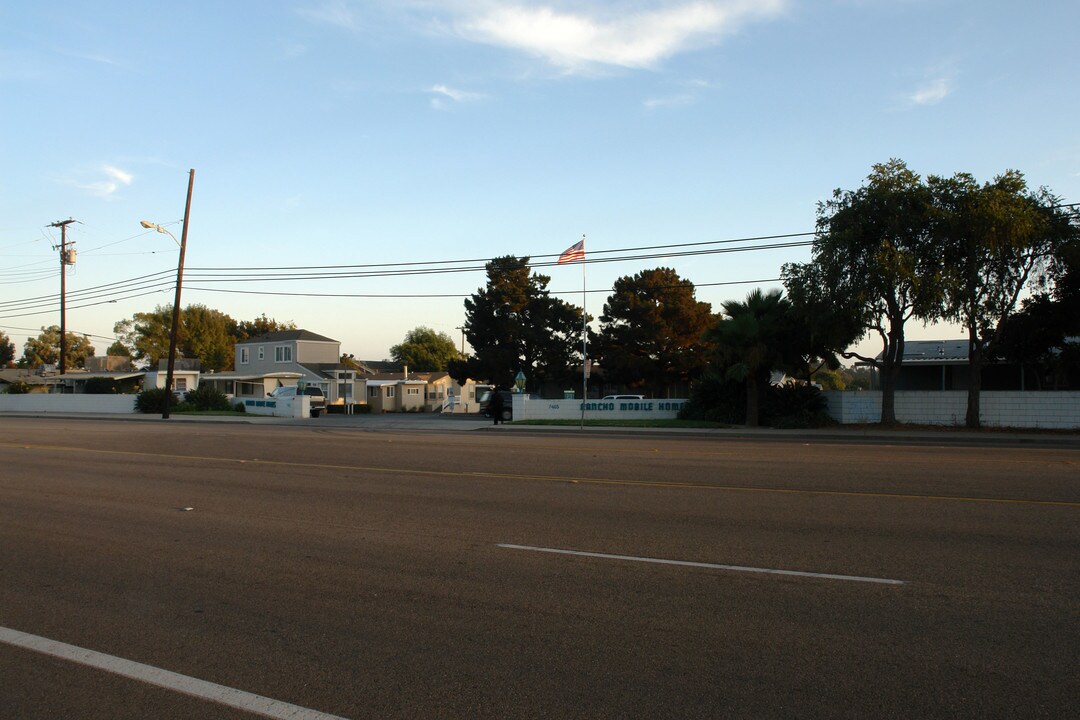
{"points": [[429, 422]]}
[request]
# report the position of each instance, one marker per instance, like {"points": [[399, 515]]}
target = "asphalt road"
{"points": [[406, 574]]}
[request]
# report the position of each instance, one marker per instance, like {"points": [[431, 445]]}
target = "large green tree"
{"points": [[876, 265], [652, 332], [998, 239], [823, 326], [425, 349], [45, 349], [513, 324], [208, 335], [1045, 335], [146, 334], [205, 333], [246, 329], [7, 350], [753, 338]]}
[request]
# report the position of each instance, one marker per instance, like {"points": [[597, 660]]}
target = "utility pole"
{"points": [[64, 262], [176, 303]]}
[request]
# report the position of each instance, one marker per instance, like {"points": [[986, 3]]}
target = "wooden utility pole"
{"points": [[62, 224], [176, 303]]}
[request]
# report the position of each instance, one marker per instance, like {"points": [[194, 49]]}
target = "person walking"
{"points": [[495, 405]]}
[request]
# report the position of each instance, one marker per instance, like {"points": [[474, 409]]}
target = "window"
{"points": [[243, 356], [283, 354], [412, 391], [262, 353], [373, 392], [389, 391], [181, 384]]}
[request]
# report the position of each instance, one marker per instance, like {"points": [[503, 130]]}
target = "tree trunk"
{"points": [[752, 400], [888, 394], [975, 364], [891, 360]]}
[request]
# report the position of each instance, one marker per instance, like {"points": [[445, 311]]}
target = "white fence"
{"points": [[67, 403], [1050, 410], [125, 404]]}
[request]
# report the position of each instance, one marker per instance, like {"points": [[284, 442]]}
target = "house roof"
{"points": [[379, 367], [326, 370], [286, 335], [24, 376], [229, 376], [421, 376], [102, 374], [934, 352], [392, 381]]}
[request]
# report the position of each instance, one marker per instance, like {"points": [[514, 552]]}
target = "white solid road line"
{"points": [[213, 692], [712, 566]]}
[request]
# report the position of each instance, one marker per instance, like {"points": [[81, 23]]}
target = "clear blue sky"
{"points": [[367, 131]]}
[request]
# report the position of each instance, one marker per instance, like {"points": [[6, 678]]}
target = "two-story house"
{"points": [[290, 357]]}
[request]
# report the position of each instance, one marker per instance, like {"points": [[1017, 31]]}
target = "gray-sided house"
{"points": [[290, 357]]}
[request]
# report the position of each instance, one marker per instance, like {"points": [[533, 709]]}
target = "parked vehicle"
{"points": [[318, 400], [507, 408], [623, 397]]}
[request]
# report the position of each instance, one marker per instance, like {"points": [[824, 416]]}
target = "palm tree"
{"points": [[752, 339]]}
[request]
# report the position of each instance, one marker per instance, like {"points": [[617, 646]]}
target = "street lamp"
{"points": [[179, 283], [154, 226]]}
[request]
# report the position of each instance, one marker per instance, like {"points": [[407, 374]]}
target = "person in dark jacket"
{"points": [[495, 405]]}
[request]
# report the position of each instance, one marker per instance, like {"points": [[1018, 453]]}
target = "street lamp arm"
{"points": [[154, 226]]}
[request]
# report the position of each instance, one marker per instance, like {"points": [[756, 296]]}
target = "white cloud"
{"points": [[577, 37], [931, 93], [119, 175], [454, 94], [444, 92], [671, 101], [90, 57], [107, 187], [331, 12]]}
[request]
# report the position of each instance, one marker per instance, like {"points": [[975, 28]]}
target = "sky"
{"points": [[398, 134]]}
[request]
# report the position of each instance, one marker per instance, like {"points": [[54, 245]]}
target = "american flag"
{"points": [[574, 252]]}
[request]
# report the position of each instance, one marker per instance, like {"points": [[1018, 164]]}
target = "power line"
{"points": [[453, 295], [118, 286], [486, 260], [124, 289], [34, 276], [428, 270], [73, 332], [86, 305]]}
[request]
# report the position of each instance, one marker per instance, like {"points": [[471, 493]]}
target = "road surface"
{"points": [[343, 572]]}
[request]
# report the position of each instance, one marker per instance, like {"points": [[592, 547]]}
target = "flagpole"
{"points": [[584, 340]]}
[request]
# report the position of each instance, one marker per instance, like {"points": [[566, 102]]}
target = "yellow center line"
{"points": [[550, 478]]}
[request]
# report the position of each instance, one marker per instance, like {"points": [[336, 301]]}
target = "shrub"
{"points": [[18, 388], [240, 407], [717, 399], [207, 397], [794, 405], [153, 401]]}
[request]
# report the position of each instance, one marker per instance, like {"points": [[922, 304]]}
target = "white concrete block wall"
{"points": [[298, 407], [67, 403], [1050, 410], [529, 408]]}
